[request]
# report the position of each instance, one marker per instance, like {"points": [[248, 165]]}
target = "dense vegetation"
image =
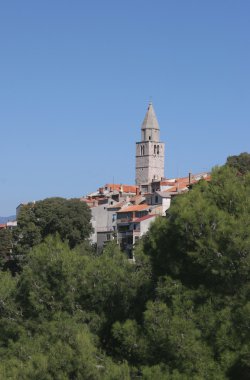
{"points": [[181, 312], [68, 218], [240, 162]]}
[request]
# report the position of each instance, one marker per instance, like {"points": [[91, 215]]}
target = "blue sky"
{"points": [[76, 77]]}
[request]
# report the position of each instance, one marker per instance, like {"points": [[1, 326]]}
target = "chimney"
{"points": [[189, 178]]}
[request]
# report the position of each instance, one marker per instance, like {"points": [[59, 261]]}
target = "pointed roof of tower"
{"points": [[150, 121]]}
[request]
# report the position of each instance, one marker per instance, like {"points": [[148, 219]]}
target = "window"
{"points": [[158, 149], [154, 149], [142, 150]]}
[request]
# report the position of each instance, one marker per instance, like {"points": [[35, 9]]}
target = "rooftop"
{"points": [[121, 188], [134, 208], [145, 217]]}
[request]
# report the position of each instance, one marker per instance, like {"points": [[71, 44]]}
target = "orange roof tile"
{"points": [[185, 180], [136, 197], [145, 217], [120, 187], [167, 183], [135, 208]]}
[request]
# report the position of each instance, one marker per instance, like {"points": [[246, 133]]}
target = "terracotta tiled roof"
{"points": [[87, 200], [137, 199], [145, 217], [183, 181], [123, 188], [134, 208], [167, 183], [3, 225]]}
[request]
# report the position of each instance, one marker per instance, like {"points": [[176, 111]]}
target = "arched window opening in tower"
{"points": [[158, 149], [154, 149]]}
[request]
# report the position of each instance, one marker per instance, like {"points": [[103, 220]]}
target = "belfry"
{"points": [[150, 152]]}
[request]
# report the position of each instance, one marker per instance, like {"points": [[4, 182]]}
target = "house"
{"points": [[104, 204], [133, 222]]}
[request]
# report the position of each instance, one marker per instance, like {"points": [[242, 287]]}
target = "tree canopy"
{"points": [[5, 245], [240, 162], [68, 218], [181, 311]]}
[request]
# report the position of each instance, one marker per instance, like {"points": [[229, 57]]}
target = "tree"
{"points": [[205, 239], [5, 244], [68, 218], [103, 288], [240, 162], [10, 315], [200, 257], [61, 348], [180, 311], [49, 280]]}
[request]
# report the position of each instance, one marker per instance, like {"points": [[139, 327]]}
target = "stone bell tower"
{"points": [[149, 151]]}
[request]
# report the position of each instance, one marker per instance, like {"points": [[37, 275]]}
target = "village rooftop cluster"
{"points": [[124, 213]]}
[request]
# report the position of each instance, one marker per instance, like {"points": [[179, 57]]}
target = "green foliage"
{"points": [[129, 342], [5, 245], [181, 311], [59, 349], [162, 372], [68, 218], [205, 239], [111, 284], [7, 292], [49, 280], [104, 289], [240, 162]]}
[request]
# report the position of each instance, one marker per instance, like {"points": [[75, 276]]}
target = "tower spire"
{"points": [[150, 120], [149, 151], [150, 128]]}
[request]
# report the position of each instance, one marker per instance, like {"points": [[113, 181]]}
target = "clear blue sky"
{"points": [[76, 77]]}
